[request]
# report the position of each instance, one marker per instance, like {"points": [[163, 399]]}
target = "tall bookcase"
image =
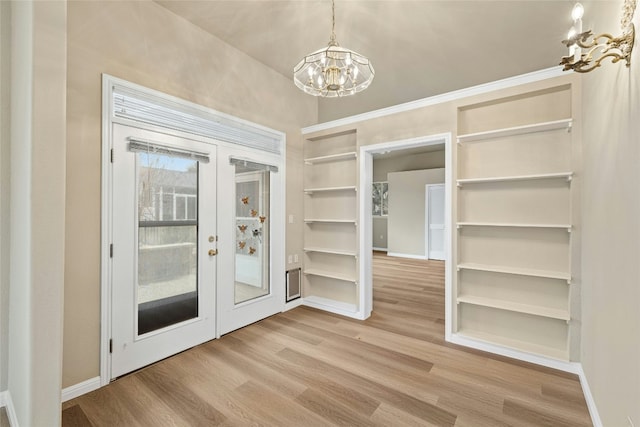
{"points": [[516, 218], [330, 232]]}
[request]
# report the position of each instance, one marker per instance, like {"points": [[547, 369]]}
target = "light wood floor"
{"points": [[309, 368]]}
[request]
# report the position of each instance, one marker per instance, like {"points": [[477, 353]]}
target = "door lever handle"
{"points": [[213, 252]]}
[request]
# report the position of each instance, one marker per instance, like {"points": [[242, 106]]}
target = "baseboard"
{"points": [[380, 249], [588, 397], [332, 306], [571, 367], [7, 404], [411, 256], [79, 389], [293, 304]]}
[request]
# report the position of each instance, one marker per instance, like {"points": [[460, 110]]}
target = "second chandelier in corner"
{"points": [[333, 71]]}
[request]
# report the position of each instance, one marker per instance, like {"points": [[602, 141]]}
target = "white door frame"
{"points": [[234, 133], [427, 219], [365, 220]]}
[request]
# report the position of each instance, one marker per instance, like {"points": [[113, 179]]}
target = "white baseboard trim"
{"points": [[588, 397], [411, 256], [79, 389], [571, 367], [7, 403], [332, 306], [380, 249], [293, 304]]}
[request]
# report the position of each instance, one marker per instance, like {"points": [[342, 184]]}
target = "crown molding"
{"points": [[535, 76]]}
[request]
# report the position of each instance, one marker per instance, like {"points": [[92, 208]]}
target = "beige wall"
{"points": [[38, 84], [412, 162], [382, 167], [406, 220], [146, 44], [611, 238]]}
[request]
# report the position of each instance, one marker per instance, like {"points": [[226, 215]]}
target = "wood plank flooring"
{"points": [[310, 368]]}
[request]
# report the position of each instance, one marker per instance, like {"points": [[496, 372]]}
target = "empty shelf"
{"points": [[331, 251], [505, 224], [558, 175], [331, 158], [517, 130], [331, 221], [515, 270], [329, 189], [553, 313], [331, 275]]}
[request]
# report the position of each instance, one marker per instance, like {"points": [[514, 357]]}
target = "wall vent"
{"points": [[293, 284]]}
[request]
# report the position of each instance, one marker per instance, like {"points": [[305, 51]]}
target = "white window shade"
{"points": [[132, 105]]}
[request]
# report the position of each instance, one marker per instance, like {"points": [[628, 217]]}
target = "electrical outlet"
{"points": [[290, 219], [381, 236], [295, 258], [290, 259]]}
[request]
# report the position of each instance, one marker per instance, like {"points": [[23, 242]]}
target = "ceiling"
{"points": [[418, 48]]}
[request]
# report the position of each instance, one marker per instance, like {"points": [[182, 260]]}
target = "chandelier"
{"points": [[333, 71]]}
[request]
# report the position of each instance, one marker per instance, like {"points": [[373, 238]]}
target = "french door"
{"points": [[164, 246], [194, 226]]}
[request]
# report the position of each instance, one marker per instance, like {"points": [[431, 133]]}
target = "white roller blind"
{"points": [[164, 113], [143, 146], [252, 165]]}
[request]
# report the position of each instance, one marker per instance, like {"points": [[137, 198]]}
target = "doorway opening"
{"points": [[366, 246]]}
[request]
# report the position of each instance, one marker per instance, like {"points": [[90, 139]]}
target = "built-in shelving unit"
{"points": [[514, 251], [514, 131], [330, 235]]}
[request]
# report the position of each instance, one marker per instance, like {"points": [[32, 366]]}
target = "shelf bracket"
{"points": [[569, 229], [459, 185]]}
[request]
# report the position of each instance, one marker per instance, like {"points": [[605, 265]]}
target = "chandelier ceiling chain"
{"points": [[333, 71]]}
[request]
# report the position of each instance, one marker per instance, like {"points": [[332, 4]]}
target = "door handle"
{"points": [[213, 252]]}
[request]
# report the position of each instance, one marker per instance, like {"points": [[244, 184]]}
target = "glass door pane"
{"points": [[167, 287], [252, 234]]}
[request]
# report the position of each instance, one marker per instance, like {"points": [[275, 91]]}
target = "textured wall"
{"points": [[611, 219]]}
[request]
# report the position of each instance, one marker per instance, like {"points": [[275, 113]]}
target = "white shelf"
{"points": [[331, 251], [542, 350], [559, 175], [504, 224], [517, 271], [517, 130], [330, 275], [331, 305], [331, 221], [329, 189], [331, 158], [553, 313]]}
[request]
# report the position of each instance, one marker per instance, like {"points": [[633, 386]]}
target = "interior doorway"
{"points": [[366, 179]]}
